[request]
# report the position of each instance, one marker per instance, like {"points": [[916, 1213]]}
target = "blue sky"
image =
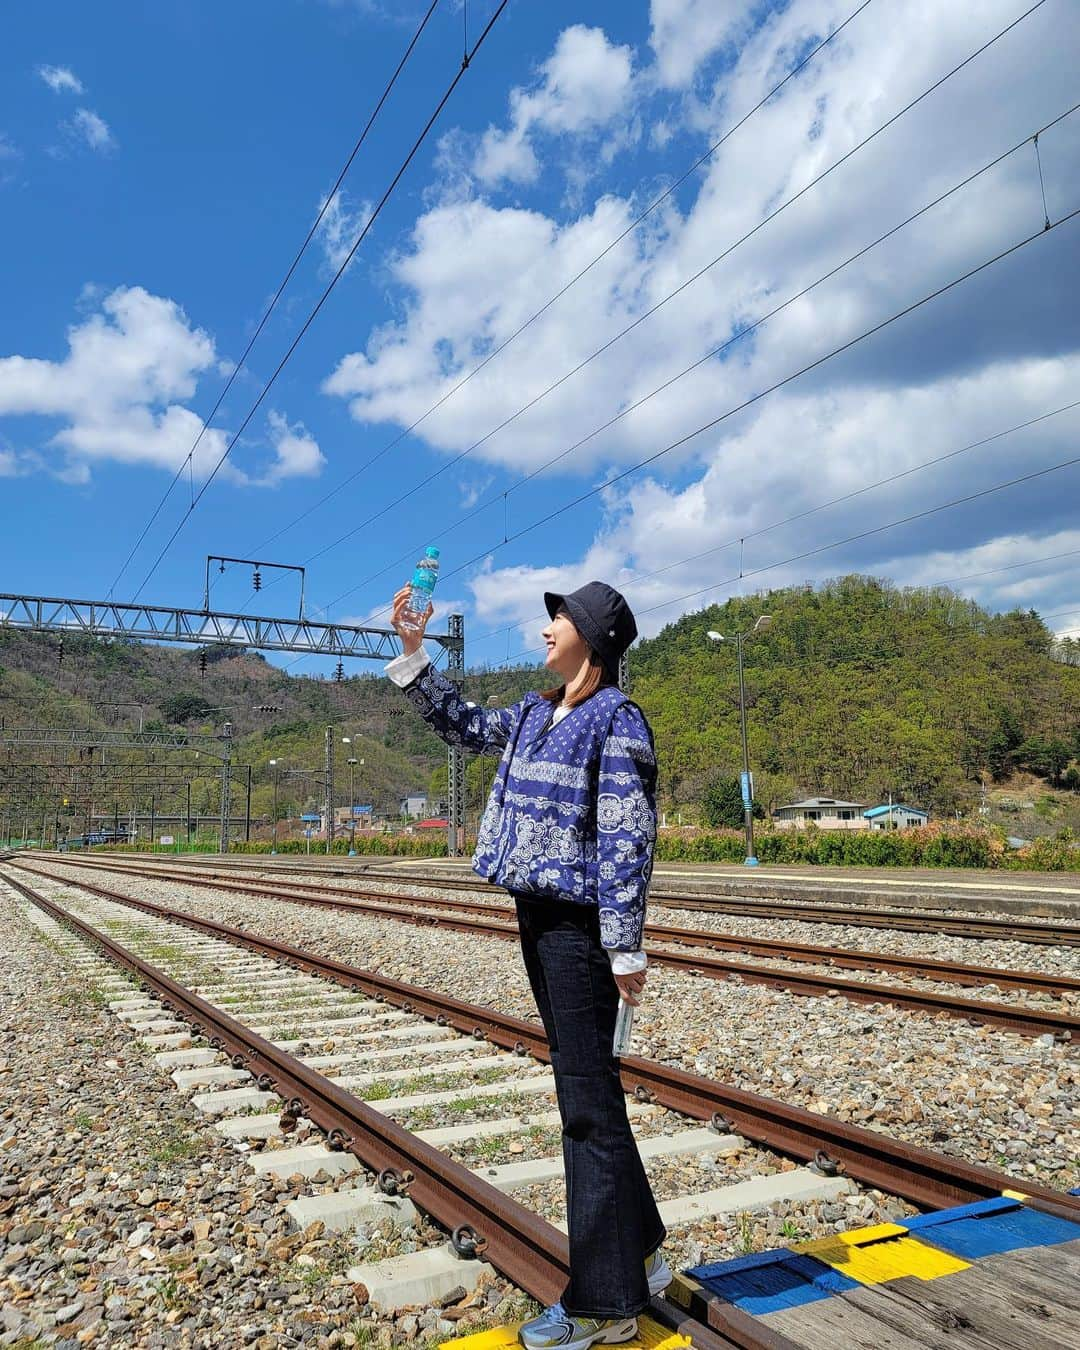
{"points": [[160, 165]]}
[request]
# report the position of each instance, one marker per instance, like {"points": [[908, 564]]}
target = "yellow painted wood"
{"points": [[681, 1290], [651, 1336], [884, 1252], [1014, 1195]]}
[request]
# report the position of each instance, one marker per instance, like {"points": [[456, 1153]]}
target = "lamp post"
{"points": [[353, 761], [763, 621], [274, 766]]}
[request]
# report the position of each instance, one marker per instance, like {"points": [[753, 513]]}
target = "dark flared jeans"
{"points": [[611, 1214]]}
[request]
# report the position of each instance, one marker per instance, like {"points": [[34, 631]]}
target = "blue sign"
{"points": [[746, 783]]}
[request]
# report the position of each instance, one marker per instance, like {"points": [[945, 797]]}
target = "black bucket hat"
{"points": [[602, 617]]}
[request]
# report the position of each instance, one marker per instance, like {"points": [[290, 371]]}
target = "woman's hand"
{"points": [[411, 638], [630, 986]]}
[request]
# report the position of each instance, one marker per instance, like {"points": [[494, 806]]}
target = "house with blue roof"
{"points": [[895, 816]]}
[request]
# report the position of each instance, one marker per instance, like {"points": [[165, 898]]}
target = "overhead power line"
{"points": [[682, 287], [685, 439], [743, 333], [855, 538], [205, 424], [739, 540], [547, 305], [465, 65]]}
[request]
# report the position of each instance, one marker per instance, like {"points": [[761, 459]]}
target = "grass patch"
{"points": [[172, 1144]]}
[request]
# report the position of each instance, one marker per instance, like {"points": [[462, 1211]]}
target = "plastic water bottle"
{"points": [[422, 589], [624, 1023]]}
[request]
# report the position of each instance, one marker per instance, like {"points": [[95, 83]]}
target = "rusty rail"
{"points": [[929, 1180], [1020, 1018], [529, 1251], [790, 907]]}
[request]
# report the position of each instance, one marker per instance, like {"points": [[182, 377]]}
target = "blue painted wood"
{"points": [[768, 1281], [991, 1233], [997, 1204]]}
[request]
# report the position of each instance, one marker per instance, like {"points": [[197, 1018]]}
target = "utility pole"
{"points": [[247, 809], [226, 787], [329, 788], [455, 761]]}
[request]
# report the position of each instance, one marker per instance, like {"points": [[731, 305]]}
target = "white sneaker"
{"points": [[658, 1273], [555, 1329]]}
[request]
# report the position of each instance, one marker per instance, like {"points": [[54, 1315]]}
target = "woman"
{"points": [[569, 830]]}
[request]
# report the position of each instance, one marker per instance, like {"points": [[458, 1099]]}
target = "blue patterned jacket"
{"points": [[572, 811]]}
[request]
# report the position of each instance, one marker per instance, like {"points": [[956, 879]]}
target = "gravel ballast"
{"points": [[125, 1220], [988, 1096]]}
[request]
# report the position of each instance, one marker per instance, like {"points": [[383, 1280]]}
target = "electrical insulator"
{"points": [[256, 580], [202, 663], [60, 652], [222, 568], [339, 673]]}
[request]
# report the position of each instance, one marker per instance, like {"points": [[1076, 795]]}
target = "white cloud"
{"points": [[585, 84], [995, 350], [9, 464], [60, 79], [340, 228], [119, 390], [686, 33], [7, 149], [296, 452], [94, 130]]}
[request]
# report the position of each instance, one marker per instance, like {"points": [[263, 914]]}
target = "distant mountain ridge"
{"points": [[857, 689]]}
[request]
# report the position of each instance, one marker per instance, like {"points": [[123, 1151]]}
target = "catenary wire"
{"points": [[834, 501], [854, 538], [205, 423], [716, 351], [817, 362], [465, 65], [1041, 233], [647, 314], [638, 220]]}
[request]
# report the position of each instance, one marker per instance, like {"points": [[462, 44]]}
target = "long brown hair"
{"points": [[597, 678]]}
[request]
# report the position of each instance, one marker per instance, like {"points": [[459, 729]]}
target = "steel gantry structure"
{"points": [[202, 627]]}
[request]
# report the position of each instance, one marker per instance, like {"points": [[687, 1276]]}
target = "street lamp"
{"points": [[353, 762], [274, 766], [763, 621]]}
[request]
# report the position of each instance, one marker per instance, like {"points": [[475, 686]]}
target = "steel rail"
{"points": [[929, 1180], [524, 1247], [1020, 1018], [947, 972], [1010, 929], [780, 903]]}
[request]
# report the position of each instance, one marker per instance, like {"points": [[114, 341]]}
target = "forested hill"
{"points": [[858, 689]]}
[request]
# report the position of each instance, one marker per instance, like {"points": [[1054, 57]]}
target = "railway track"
{"points": [[1048, 933], [1012, 929], [525, 1248], [497, 921]]}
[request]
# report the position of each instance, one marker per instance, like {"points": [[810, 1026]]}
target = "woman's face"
{"points": [[567, 650]]}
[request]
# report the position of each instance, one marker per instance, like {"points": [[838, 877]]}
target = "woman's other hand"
{"points": [[631, 986], [411, 638]]}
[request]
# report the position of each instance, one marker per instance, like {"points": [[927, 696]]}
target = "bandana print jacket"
{"points": [[572, 812]]}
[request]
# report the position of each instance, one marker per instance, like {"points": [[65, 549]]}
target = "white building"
{"points": [[828, 813]]}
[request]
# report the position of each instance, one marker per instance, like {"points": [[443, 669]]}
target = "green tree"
{"points": [[178, 708], [721, 803]]}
